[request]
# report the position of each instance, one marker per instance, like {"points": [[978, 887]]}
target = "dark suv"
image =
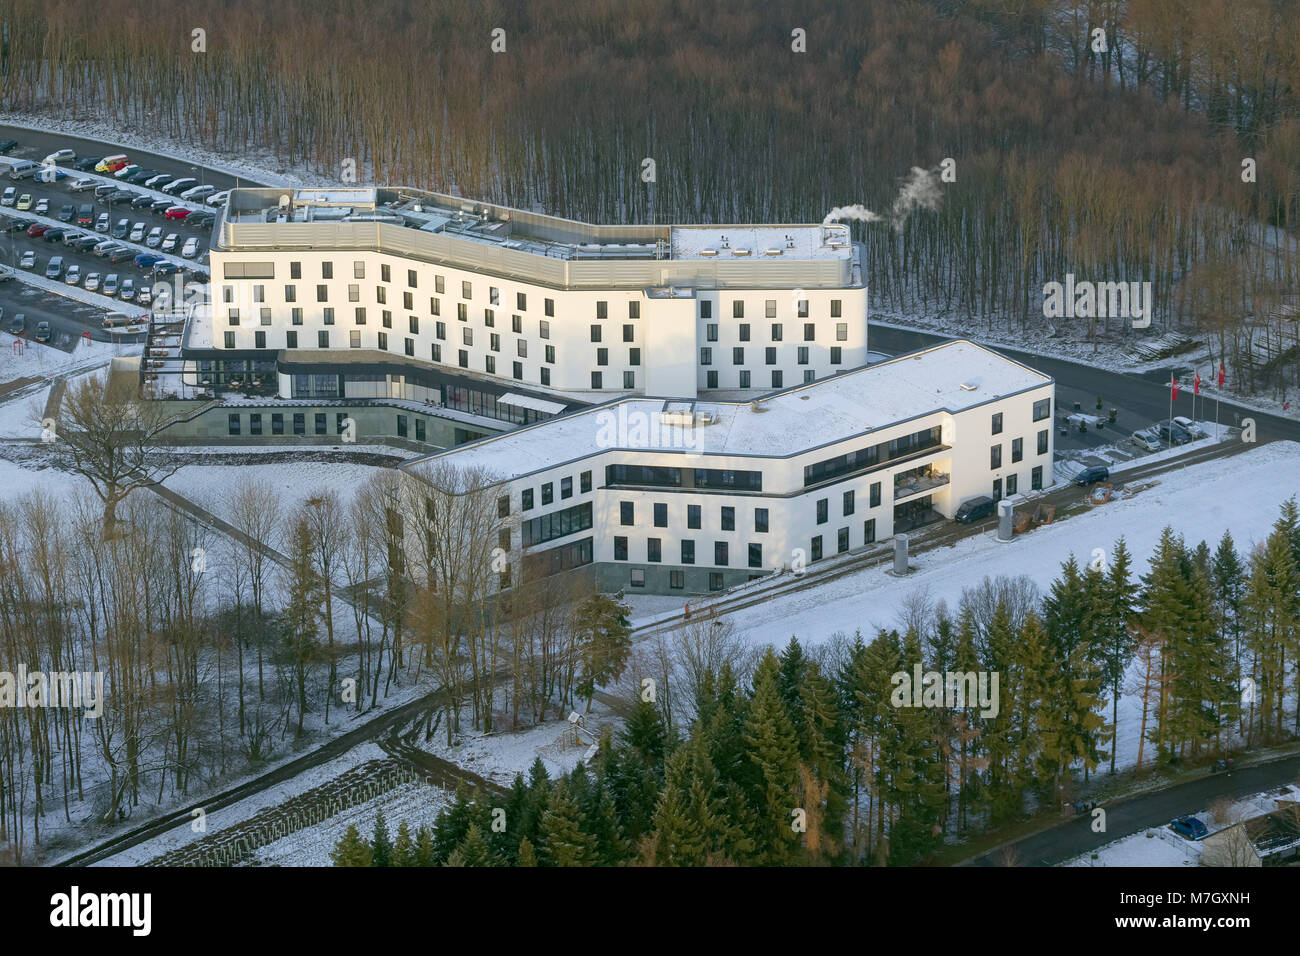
{"points": [[1090, 476], [975, 509]]}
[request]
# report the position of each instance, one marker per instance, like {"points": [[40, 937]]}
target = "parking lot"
{"points": [[30, 255]]}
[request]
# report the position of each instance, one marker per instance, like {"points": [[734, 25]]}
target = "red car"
{"points": [[37, 229], [177, 212]]}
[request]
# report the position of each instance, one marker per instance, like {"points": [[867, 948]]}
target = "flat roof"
{"points": [[953, 376]]}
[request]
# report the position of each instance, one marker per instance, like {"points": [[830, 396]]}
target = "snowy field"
{"points": [[38, 361]]}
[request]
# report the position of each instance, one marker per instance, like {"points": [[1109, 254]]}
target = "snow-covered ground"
{"points": [[1163, 847], [42, 361]]}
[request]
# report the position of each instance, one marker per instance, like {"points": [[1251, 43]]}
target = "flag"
{"points": [[1173, 389], [1220, 375], [1196, 384]]}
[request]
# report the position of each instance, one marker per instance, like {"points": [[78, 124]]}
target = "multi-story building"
{"points": [[404, 294], [693, 495]]}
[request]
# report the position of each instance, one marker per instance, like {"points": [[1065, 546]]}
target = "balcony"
{"points": [[918, 481]]}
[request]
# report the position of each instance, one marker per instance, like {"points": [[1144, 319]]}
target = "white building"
{"points": [[670, 496], [304, 279]]}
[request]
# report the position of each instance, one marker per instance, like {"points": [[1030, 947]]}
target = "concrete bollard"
{"points": [[900, 554], [1005, 509]]}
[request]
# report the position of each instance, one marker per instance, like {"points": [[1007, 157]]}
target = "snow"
{"points": [[44, 361], [844, 406], [794, 241]]}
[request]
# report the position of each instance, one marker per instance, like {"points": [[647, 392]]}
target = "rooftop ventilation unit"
{"points": [[970, 386], [740, 252], [708, 253], [772, 252]]}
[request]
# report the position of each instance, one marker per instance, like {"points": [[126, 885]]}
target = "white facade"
{"points": [[648, 310], [936, 416]]}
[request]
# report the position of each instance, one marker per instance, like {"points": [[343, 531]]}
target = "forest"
{"points": [[1119, 156], [807, 761]]}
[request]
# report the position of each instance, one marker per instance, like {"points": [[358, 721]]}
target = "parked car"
{"points": [[86, 243], [70, 236], [155, 182], [60, 156], [27, 260], [81, 185], [1190, 827], [8, 197], [24, 202], [219, 198], [201, 218], [143, 297], [105, 247], [55, 267], [121, 229], [1189, 426], [85, 214], [1146, 440], [110, 284], [155, 237], [190, 249], [169, 244], [165, 268], [161, 205], [67, 213], [86, 163], [37, 229], [7, 144], [1173, 433], [126, 171], [142, 202], [18, 324], [73, 275], [1090, 476], [42, 207], [198, 193], [20, 225], [177, 186], [42, 332], [139, 176], [147, 260], [53, 234], [127, 290], [137, 232], [124, 195], [176, 212], [101, 224], [975, 509], [121, 254], [111, 164], [92, 282], [23, 169], [104, 190]]}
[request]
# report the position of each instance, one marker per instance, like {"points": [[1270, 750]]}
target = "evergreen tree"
{"points": [[351, 850], [677, 841], [1115, 644], [452, 825], [644, 732], [774, 761], [1228, 583], [403, 847], [473, 850], [381, 847], [604, 635], [527, 855], [565, 840], [424, 847]]}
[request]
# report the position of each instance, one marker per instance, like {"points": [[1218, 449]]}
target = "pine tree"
{"points": [[403, 847], [565, 840], [1272, 617], [1228, 581], [1113, 633], [381, 847], [452, 825], [644, 732], [773, 756], [677, 840], [351, 850], [605, 640], [423, 847], [527, 855], [473, 850]]}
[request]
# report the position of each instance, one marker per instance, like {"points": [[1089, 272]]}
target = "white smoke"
{"points": [[920, 190]]}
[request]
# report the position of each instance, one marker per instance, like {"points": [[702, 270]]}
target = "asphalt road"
{"points": [[1138, 813]]}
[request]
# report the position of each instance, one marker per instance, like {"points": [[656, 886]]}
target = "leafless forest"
{"points": [[1117, 163]]}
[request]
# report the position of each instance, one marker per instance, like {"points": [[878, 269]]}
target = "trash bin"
{"points": [[1113, 412]]}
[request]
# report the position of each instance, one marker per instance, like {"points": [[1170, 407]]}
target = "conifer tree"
{"points": [[473, 850], [351, 850], [423, 847], [1113, 633], [381, 847], [677, 840], [565, 840], [774, 761], [1228, 582], [403, 846], [527, 855], [451, 826]]}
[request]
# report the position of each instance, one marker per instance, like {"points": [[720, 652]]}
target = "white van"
{"points": [[24, 169]]}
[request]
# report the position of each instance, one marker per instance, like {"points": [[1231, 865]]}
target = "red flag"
{"points": [[1173, 386], [1196, 384], [1220, 375]]}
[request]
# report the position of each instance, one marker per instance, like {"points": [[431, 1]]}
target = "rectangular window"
{"points": [[728, 518], [385, 273], [721, 553], [809, 332], [629, 379], [744, 378], [1042, 409], [489, 318], [259, 339], [517, 369], [548, 306], [322, 293], [411, 278], [1036, 478], [299, 423], [693, 516], [290, 293], [517, 324], [354, 292], [1042, 442], [1017, 449], [634, 309], [602, 309], [296, 316], [769, 355], [596, 380], [566, 488], [803, 355], [633, 356], [462, 358], [706, 356], [602, 357], [776, 331], [295, 270], [817, 548], [755, 555], [435, 305], [255, 423], [320, 423], [436, 352], [869, 531], [544, 329], [803, 309], [706, 309], [413, 324], [595, 333], [841, 331], [997, 423], [738, 309], [848, 503], [467, 336], [521, 301], [837, 355], [386, 319], [584, 482], [620, 548], [327, 316], [760, 520], [1012, 482], [744, 331], [677, 580], [550, 356], [715, 580], [440, 330], [354, 339], [327, 270], [361, 315], [323, 340], [737, 356], [462, 311], [548, 492], [653, 550], [688, 552], [503, 506], [232, 424], [494, 341], [291, 340], [995, 457], [277, 423], [711, 332], [383, 341], [823, 510], [401, 426], [629, 333], [769, 308], [661, 515], [778, 379], [875, 494], [626, 513], [410, 347], [835, 308], [526, 500], [842, 541]]}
